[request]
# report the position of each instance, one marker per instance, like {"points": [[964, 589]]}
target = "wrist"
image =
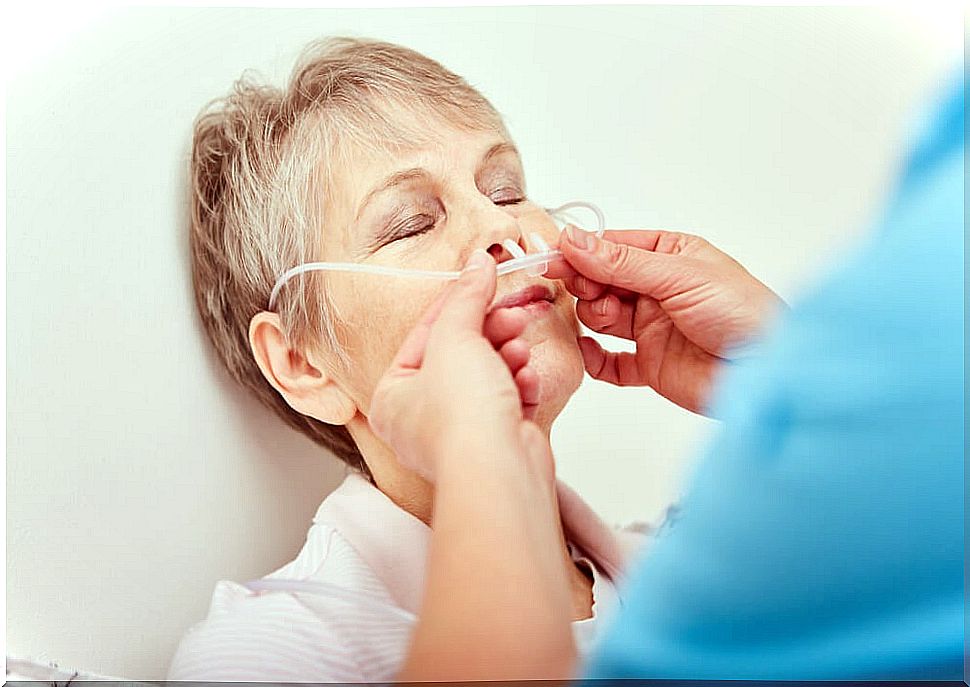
{"points": [[476, 452], [483, 439], [481, 477], [501, 468]]}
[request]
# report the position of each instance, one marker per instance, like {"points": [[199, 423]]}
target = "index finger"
{"points": [[619, 260], [647, 239]]}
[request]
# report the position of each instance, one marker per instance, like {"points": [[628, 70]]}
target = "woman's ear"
{"points": [[306, 388]]}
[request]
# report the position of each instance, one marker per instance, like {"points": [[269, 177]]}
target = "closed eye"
{"points": [[507, 197], [413, 226]]}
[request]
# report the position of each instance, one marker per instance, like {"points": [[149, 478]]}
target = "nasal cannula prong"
{"points": [[514, 249], [541, 247]]}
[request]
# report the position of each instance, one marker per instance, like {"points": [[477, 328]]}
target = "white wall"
{"points": [[137, 475]]}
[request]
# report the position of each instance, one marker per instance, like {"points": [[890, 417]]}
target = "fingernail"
{"points": [[601, 306], [476, 261], [578, 237]]}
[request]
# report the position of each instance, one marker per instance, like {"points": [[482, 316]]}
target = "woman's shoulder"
{"points": [[327, 555], [273, 629], [261, 636]]}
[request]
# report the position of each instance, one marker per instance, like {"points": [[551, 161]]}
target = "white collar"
{"points": [[394, 543]]}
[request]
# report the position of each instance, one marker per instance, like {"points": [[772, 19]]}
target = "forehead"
{"points": [[444, 150]]}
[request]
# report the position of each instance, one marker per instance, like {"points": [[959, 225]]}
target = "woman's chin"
{"points": [[559, 365]]}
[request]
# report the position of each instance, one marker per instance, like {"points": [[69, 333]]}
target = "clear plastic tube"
{"points": [[530, 260], [600, 217], [507, 267], [354, 267], [535, 262]]}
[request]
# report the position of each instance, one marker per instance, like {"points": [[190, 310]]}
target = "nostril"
{"points": [[508, 249]]}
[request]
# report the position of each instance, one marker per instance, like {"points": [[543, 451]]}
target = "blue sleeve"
{"points": [[822, 534]]}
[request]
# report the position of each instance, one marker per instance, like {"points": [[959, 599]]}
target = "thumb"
{"points": [[658, 275], [464, 306]]}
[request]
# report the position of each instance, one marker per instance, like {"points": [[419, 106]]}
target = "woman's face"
{"points": [[428, 208]]}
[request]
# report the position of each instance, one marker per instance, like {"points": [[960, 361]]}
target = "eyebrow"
{"points": [[402, 177], [390, 182], [498, 149], [495, 151]]}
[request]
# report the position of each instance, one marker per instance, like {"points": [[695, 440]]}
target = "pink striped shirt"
{"points": [[364, 566]]}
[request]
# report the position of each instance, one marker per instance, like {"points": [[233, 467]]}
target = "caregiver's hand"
{"points": [[686, 304], [496, 605], [459, 375]]}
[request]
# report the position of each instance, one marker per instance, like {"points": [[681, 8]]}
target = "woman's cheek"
{"points": [[393, 316]]}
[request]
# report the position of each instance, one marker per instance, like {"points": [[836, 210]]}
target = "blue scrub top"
{"points": [[822, 536]]}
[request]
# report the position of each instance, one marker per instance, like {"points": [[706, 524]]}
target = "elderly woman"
{"points": [[377, 155]]}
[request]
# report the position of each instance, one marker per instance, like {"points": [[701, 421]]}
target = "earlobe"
{"points": [[307, 388]]}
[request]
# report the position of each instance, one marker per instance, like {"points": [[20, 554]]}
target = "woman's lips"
{"points": [[536, 297]]}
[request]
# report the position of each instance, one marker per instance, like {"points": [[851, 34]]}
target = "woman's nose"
{"points": [[496, 228]]}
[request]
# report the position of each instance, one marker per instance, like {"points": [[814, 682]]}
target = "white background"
{"points": [[138, 475]]}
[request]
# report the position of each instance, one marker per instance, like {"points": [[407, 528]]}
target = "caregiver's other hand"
{"points": [[686, 304], [460, 374]]}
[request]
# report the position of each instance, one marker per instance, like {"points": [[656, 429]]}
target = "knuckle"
{"points": [[599, 369], [616, 253], [698, 246], [593, 321], [677, 242], [596, 316], [621, 258], [683, 241]]}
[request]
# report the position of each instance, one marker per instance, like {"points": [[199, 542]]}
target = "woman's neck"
{"points": [[415, 495]]}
